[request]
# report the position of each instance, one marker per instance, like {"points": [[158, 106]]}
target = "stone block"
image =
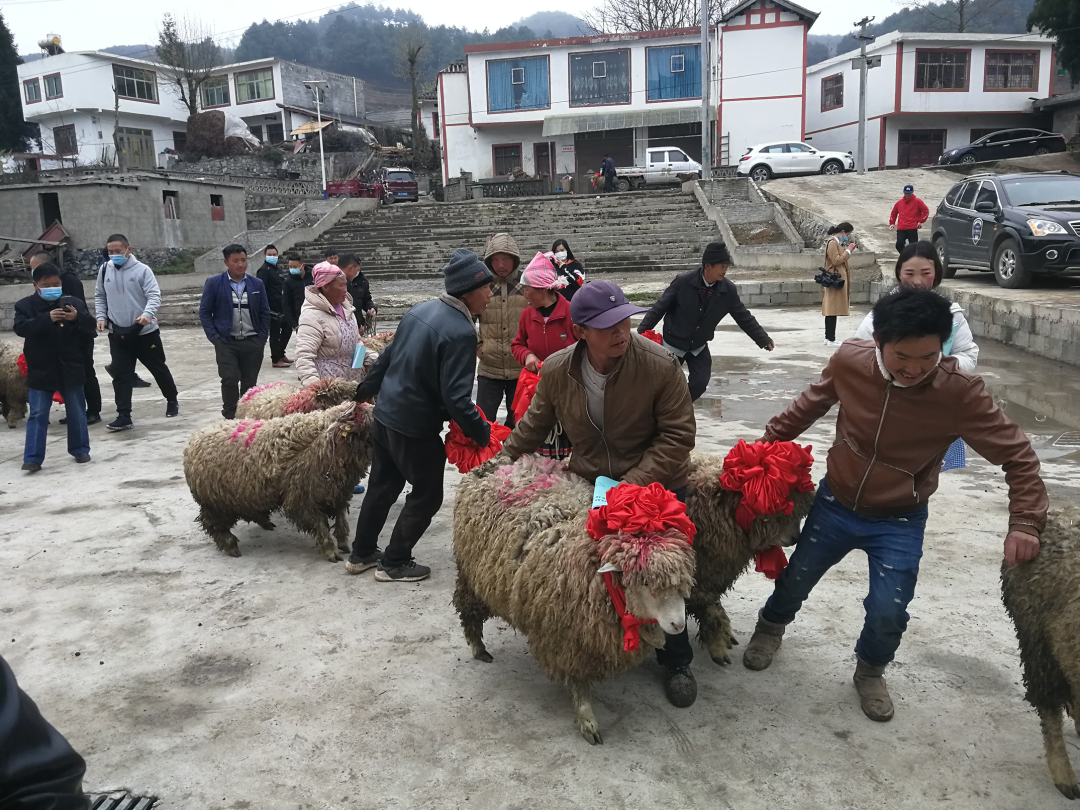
{"points": [[771, 287], [756, 300]]}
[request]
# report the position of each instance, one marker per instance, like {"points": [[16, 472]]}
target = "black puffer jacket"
{"points": [[293, 297], [425, 377], [360, 290], [54, 357], [691, 316], [39, 770], [270, 276]]}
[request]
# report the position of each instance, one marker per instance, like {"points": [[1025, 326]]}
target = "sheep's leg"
{"points": [[219, 527], [341, 531], [714, 631], [473, 613], [325, 541], [581, 694], [1057, 758], [264, 522]]}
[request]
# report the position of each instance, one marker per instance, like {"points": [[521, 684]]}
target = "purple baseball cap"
{"points": [[601, 305]]}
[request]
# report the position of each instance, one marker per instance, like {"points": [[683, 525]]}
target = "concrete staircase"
{"points": [[616, 233]]}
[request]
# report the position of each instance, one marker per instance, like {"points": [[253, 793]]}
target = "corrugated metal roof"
{"points": [[597, 122]]}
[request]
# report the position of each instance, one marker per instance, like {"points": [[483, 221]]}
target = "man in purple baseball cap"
{"points": [[623, 403]]}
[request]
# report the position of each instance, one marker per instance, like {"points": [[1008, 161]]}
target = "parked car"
{"points": [[400, 184], [767, 160], [1006, 143], [1017, 225], [663, 164]]}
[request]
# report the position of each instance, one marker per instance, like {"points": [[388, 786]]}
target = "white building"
{"points": [[932, 92], [557, 106], [71, 97]]}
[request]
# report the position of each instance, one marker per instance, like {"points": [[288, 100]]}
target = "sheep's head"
{"points": [[331, 391], [657, 571], [351, 421]]}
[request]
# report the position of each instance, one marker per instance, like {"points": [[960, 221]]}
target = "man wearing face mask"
{"points": [[127, 298], [293, 292], [901, 406], [269, 273]]}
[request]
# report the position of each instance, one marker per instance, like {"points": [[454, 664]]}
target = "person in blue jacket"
{"points": [[235, 314]]}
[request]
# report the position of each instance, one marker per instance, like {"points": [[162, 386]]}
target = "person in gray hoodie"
{"points": [[127, 298]]}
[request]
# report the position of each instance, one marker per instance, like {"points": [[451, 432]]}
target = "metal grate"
{"points": [[1071, 439], [121, 801]]}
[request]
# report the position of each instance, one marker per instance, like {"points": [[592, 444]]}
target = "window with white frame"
{"points": [[64, 141], [32, 91], [255, 85], [599, 70], [678, 63], [517, 76], [140, 85], [1011, 70], [832, 92], [215, 92], [54, 88]]}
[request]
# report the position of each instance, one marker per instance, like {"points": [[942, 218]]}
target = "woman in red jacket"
{"points": [[544, 328]]}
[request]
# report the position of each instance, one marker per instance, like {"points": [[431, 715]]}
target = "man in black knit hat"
{"points": [[692, 306], [422, 379]]}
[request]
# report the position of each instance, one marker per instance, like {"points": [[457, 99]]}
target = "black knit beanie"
{"points": [[716, 253], [465, 272]]}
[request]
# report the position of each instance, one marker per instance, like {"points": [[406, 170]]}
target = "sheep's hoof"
{"points": [[732, 641], [333, 557], [1069, 791], [721, 660], [11, 427], [268, 525], [484, 656], [233, 552], [592, 737]]}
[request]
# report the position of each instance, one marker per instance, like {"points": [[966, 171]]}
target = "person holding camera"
{"points": [[54, 326], [837, 300]]}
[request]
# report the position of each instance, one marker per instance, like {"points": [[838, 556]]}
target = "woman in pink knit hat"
{"points": [[327, 335], [544, 329]]}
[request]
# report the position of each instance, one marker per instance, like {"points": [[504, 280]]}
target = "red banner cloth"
{"points": [[655, 337], [771, 562], [639, 510], [523, 394], [631, 624], [465, 454]]}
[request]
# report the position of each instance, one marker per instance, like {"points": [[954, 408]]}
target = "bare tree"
{"points": [[411, 43], [189, 55], [960, 16], [621, 16]]}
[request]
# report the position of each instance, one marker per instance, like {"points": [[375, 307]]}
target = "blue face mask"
{"points": [[296, 271], [51, 293], [271, 259], [118, 260], [842, 240]]}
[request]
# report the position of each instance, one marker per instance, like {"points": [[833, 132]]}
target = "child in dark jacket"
{"points": [[54, 326]]}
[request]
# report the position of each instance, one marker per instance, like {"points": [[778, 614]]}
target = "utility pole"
{"points": [[313, 85], [706, 152], [860, 158]]}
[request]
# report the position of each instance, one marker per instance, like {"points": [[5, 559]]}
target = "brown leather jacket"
{"points": [[649, 422], [890, 440]]}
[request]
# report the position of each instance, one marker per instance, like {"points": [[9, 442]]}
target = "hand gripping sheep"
{"points": [[305, 465], [1043, 598], [275, 399], [524, 554], [13, 391]]}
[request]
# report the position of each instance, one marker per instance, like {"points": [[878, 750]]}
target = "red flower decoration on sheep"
{"points": [[465, 454], [20, 361], [655, 337], [639, 510], [523, 394]]}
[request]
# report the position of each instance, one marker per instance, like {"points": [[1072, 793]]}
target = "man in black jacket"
{"points": [[422, 379], [692, 306], [270, 275], [359, 289], [292, 294]]}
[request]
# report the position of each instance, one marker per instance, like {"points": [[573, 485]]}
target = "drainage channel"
{"points": [[124, 801]]}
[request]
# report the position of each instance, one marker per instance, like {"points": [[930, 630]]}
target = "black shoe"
{"points": [[31, 466], [92, 419], [409, 572], [680, 687], [82, 459], [172, 409], [121, 422], [357, 565], [139, 382], [228, 415]]}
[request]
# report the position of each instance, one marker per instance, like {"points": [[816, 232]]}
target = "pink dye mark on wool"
{"points": [[251, 427], [510, 496], [639, 546], [300, 402], [258, 389]]}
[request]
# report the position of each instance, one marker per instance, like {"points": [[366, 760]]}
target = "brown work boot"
{"points": [[873, 693], [763, 644]]}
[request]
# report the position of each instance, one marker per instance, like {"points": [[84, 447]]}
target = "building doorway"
{"points": [[49, 202], [136, 148], [919, 147], [590, 148], [544, 159]]}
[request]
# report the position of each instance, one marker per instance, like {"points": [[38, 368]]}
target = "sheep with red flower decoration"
{"points": [[529, 552], [14, 394]]}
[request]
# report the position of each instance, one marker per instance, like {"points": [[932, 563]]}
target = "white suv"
{"points": [[769, 159]]}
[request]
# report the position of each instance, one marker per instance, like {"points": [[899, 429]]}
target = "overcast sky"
{"points": [[87, 25]]}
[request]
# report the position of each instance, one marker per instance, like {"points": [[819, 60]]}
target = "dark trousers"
{"points": [[700, 367], [677, 651], [609, 183], [91, 388], [893, 547], [830, 327], [903, 237], [395, 460], [490, 393], [279, 337], [238, 364], [146, 349]]}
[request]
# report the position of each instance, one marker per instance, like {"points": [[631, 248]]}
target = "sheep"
{"points": [[305, 465], [723, 549], [14, 395], [378, 343], [1043, 598], [276, 399], [523, 554]]}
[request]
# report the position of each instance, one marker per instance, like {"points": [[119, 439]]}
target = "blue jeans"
{"points": [[894, 548], [37, 426]]}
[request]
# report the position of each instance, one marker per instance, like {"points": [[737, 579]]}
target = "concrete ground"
{"points": [[277, 681]]}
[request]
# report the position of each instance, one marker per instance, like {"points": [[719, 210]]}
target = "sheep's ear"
{"points": [[609, 568]]}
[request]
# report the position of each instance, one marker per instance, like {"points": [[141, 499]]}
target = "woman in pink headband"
{"points": [[328, 334]]}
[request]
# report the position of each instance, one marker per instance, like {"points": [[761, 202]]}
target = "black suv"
{"points": [[1017, 225]]}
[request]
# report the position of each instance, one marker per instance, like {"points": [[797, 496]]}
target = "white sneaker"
{"points": [[833, 344]]}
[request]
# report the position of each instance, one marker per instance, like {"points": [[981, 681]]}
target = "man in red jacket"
{"points": [[907, 217]]}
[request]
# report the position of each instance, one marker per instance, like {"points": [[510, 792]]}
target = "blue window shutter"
{"points": [[500, 90], [504, 95], [663, 85]]}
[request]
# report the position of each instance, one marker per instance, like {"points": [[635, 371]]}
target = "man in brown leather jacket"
{"points": [[623, 403], [901, 405]]}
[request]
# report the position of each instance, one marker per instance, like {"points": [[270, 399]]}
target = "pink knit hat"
{"points": [[324, 272], [541, 273]]}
